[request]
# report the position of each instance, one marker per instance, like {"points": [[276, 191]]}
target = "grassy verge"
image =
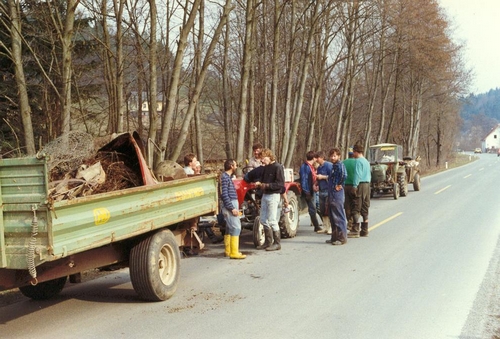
{"points": [[454, 160]]}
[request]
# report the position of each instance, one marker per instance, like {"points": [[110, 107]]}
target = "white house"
{"points": [[492, 140], [132, 104]]}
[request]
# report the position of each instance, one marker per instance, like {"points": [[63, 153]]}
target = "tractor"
{"points": [[391, 172], [249, 197]]}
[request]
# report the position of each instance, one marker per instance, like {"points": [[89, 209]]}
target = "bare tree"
{"points": [[245, 78], [166, 126], [14, 12], [199, 84]]}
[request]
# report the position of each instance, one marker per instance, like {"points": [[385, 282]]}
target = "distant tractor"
{"points": [[391, 172]]}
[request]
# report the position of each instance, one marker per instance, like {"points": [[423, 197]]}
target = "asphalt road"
{"points": [[427, 270]]}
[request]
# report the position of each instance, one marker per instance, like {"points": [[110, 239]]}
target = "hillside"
{"points": [[487, 104], [480, 113]]}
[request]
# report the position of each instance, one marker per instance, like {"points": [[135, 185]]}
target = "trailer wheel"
{"points": [[154, 266], [258, 232], [44, 290], [289, 222], [416, 182]]}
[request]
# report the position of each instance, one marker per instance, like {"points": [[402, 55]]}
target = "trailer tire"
{"points": [[154, 266], [44, 290], [289, 222], [258, 232]]}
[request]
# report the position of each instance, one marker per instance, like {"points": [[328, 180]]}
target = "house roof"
{"points": [[491, 131]]}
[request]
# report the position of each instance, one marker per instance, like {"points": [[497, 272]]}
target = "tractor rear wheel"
{"points": [[289, 222], [403, 186]]}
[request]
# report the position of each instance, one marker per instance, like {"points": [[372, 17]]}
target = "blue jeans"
{"points": [[233, 223], [269, 211], [337, 216]]}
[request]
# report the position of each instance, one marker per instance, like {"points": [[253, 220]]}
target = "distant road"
{"points": [[418, 275]]}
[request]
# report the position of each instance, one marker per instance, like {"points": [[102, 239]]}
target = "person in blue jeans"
{"points": [[336, 199], [230, 211], [307, 182], [272, 183]]}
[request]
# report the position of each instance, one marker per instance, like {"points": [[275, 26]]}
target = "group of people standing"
{"points": [[268, 175], [343, 190]]}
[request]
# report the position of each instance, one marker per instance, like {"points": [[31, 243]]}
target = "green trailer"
{"points": [[42, 242]]}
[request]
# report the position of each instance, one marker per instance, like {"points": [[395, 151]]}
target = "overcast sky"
{"points": [[477, 26]]}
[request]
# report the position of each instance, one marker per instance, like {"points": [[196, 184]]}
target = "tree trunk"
{"points": [[199, 85], [302, 84], [66, 41], [199, 48], [245, 76], [24, 106], [153, 91], [166, 125]]}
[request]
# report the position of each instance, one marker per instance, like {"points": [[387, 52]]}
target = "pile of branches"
{"points": [[71, 176], [113, 174]]}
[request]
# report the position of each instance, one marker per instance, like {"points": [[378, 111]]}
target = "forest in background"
{"points": [[480, 114], [217, 76]]}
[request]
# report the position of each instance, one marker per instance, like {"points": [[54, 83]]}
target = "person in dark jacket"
{"points": [[336, 198], [308, 184], [323, 172], [272, 184]]}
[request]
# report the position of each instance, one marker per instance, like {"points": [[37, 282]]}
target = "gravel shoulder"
{"points": [[484, 318]]}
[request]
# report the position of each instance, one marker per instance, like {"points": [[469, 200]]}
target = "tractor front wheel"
{"points": [[416, 182], [395, 191]]}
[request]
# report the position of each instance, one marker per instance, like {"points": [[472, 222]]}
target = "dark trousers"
{"points": [[337, 216], [311, 208], [362, 204], [351, 201], [323, 203]]}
